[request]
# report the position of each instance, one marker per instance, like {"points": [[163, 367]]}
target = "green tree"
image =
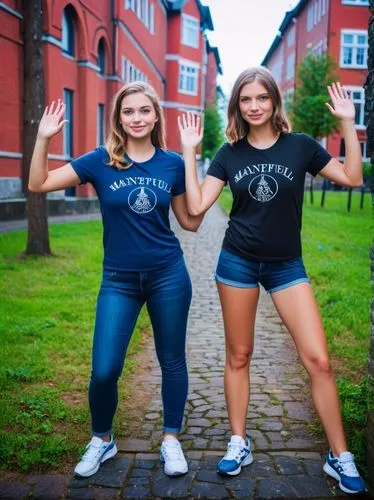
{"points": [[213, 132], [308, 112]]}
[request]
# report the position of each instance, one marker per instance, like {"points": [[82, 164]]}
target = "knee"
{"points": [[172, 365], [238, 360], [318, 366], [104, 378]]}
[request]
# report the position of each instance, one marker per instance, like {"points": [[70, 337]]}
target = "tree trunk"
{"points": [[369, 105], [38, 238]]}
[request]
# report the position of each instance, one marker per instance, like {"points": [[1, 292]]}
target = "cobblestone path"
{"points": [[287, 459]]}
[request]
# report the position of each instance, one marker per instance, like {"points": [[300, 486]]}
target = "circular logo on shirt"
{"points": [[142, 200], [263, 187]]}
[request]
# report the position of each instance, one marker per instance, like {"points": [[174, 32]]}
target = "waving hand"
{"points": [[190, 131]]}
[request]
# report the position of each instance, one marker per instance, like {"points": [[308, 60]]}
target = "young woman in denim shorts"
{"points": [[136, 181], [265, 165]]}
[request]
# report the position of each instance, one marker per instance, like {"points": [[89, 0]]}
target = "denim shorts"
{"points": [[236, 271]]}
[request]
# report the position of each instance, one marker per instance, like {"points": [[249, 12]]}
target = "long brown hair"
{"points": [[237, 127], [117, 137]]}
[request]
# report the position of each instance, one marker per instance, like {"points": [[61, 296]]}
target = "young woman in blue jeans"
{"points": [[265, 165], [136, 181]]}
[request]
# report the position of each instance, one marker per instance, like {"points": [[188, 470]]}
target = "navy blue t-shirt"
{"points": [[135, 208]]}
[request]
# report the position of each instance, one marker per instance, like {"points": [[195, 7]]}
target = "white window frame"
{"points": [[190, 24], [354, 46], [358, 3], [324, 5], [185, 74], [361, 124]]}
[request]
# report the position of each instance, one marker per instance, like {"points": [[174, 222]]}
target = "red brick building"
{"points": [[91, 48], [316, 26]]}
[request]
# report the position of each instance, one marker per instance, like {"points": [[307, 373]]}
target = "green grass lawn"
{"points": [[336, 247], [47, 318]]}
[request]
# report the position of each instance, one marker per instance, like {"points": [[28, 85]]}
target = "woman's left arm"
{"points": [[187, 221], [349, 173]]}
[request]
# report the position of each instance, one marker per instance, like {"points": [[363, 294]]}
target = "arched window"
{"points": [[68, 31], [101, 56]]}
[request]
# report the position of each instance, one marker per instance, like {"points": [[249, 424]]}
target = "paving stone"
{"points": [[13, 490], [50, 487], [140, 473], [209, 476], [112, 474], [310, 486], [203, 490], [172, 487], [93, 494], [289, 465], [134, 445], [275, 487], [136, 492]]}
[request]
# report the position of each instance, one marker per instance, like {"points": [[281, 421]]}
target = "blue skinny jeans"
{"points": [[167, 294]]}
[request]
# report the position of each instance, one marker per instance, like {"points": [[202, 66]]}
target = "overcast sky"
{"points": [[243, 32]]}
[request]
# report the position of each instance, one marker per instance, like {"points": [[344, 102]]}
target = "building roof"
{"points": [[215, 51], [287, 20], [176, 6]]}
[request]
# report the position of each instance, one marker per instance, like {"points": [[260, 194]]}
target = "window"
{"points": [[101, 56], [188, 77], [190, 31], [129, 73], [324, 7], [100, 136], [152, 19], [309, 19], [291, 36], [364, 151], [355, 2], [68, 127], [358, 98], [290, 66], [68, 31], [354, 49], [145, 12]]}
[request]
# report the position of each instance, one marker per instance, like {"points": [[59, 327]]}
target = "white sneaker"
{"points": [[98, 451], [171, 454]]}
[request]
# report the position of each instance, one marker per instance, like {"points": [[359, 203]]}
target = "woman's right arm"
{"points": [[199, 198], [40, 179]]}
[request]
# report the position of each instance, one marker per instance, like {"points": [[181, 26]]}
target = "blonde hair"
{"points": [[237, 127], [117, 137]]}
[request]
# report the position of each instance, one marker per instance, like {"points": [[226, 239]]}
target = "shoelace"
{"points": [[91, 453], [234, 452], [173, 451], [349, 467]]}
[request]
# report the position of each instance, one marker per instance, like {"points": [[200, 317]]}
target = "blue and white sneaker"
{"points": [[344, 470], [238, 455], [98, 451]]}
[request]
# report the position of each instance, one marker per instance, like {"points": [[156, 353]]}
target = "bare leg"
{"points": [[239, 313], [298, 310]]}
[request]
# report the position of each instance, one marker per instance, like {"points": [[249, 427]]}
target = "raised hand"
{"points": [[190, 131], [51, 122], [342, 105]]}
